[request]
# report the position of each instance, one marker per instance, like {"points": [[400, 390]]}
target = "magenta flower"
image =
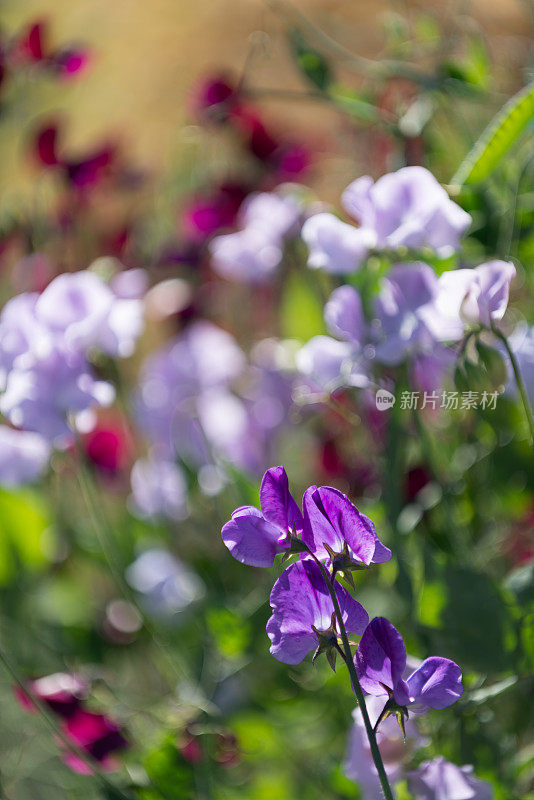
{"points": [[302, 618], [62, 692], [33, 48], [380, 662], [256, 537], [95, 734], [80, 173], [335, 529], [210, 212], [440, 780]]}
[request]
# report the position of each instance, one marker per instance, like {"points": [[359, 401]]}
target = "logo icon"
{"points": [[384, 399]]}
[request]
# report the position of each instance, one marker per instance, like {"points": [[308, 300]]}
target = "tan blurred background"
{"points": [[146, 55]]}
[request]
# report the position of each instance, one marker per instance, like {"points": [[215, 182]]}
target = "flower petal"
{"points": [[250, 538], [380, 660], [437, 683], [277, 504]]}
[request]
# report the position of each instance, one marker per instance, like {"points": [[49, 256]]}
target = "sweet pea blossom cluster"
{"points": [[201, 404], [48, 386], [414, 315], [415, 318], [313, 612], [404, 209]]}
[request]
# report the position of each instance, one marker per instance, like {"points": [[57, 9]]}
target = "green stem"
{"points": [[109, 550], [519, 381], [347, 657], [56, 730]]}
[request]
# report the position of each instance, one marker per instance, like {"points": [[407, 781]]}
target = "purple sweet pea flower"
{"points": [[23, 456], [334, 245], [477, 296], [302, 609], [440, 780], [255, 537], [332, 524], [407, 208], [380, 662]]}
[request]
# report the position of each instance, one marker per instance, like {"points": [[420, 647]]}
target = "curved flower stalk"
{"points": [[312, 611]]}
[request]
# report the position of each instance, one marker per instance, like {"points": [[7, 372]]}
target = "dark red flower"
{"points": [[213, 99], [416, 479], [95, 734], [208, 213], [79, 173], [190, 748], [62, 692]]}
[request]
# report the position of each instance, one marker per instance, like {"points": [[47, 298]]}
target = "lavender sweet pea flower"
{"points": [[43, 393], [255, 537], [19, 332], [302, 608], [329, 364], [409, 319], [23, 456], [333, 524], [343, 314], [159, 489], [358, 764], [440, 780], [334, 245], [84, 311], [274, 213], [168, 586], [477, 296], [380, 662], [255, 251], [521, 342], [407, 208], [247, 255]]}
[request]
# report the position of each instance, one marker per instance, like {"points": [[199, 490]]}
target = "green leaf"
{"points": [[23, 521], [302, 306], [352, 104], [497, 139], [311, 63]]}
